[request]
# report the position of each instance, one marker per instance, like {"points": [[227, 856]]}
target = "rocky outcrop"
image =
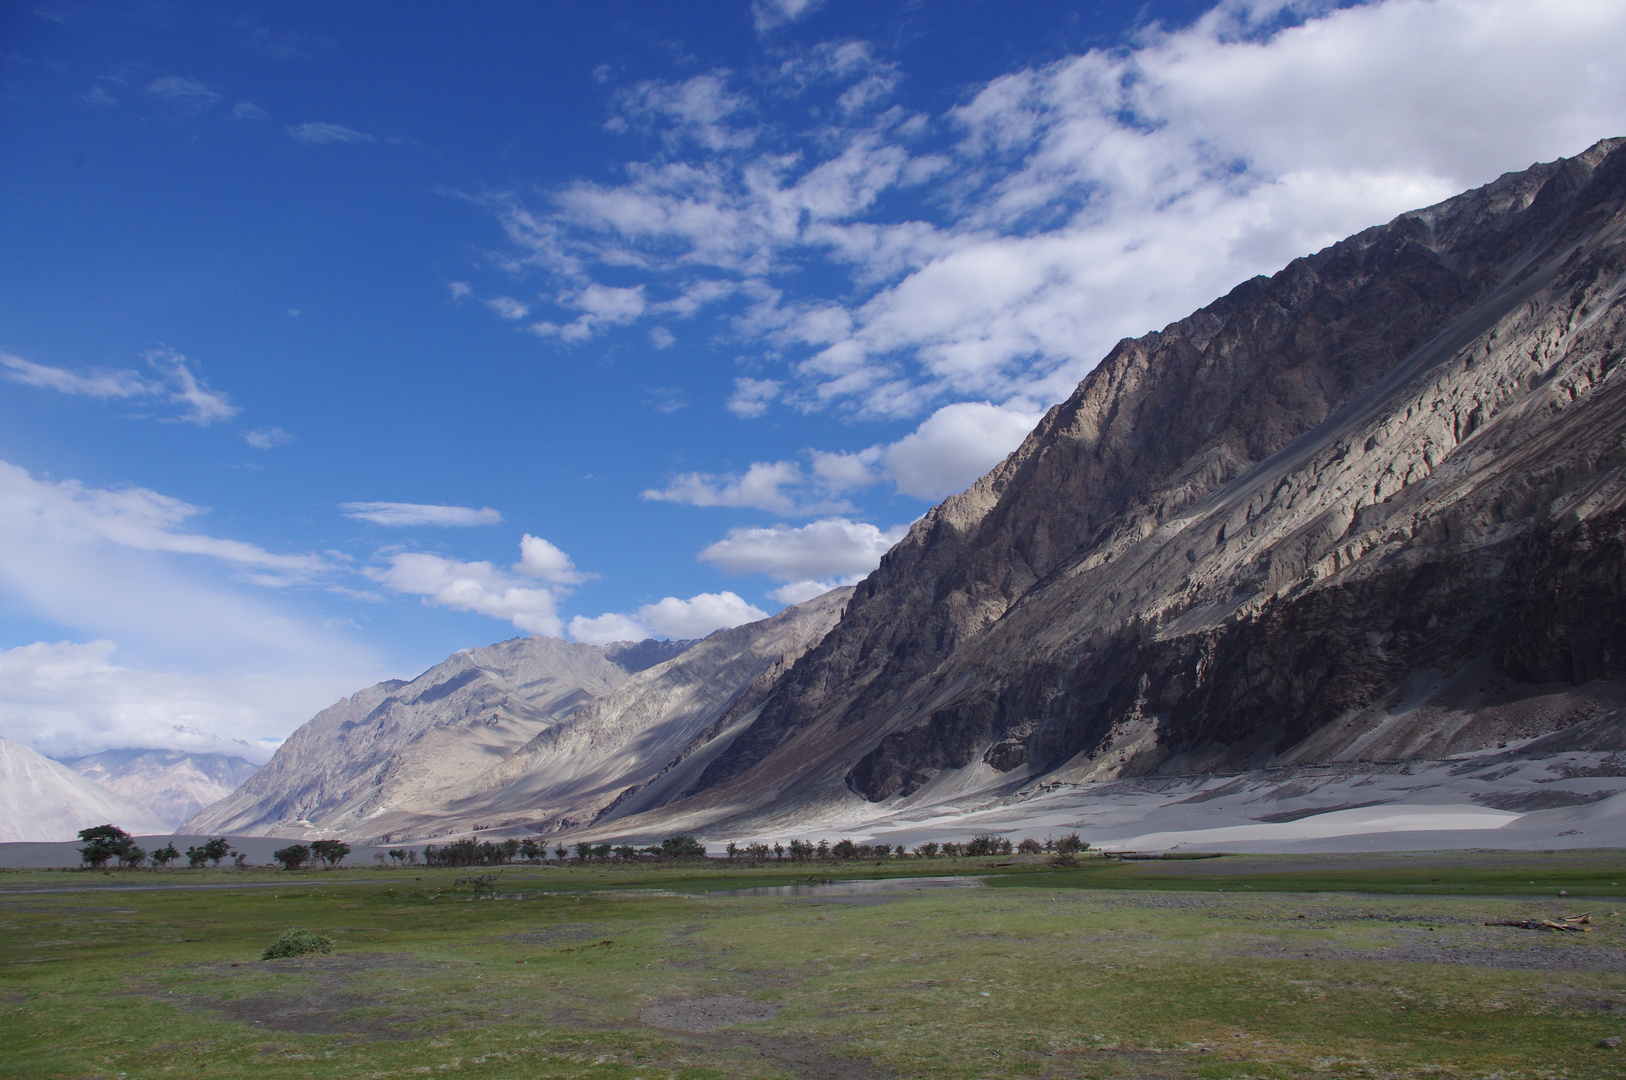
{"points": [[43, 800], [173, 784], [1394, 462], [412, 747]]}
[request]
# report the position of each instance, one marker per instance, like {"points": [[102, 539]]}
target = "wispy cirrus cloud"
{"points": [[399, 514], [189, 93], [322, 133], [178, 384]]}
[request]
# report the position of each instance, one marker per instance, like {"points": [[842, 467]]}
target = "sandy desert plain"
{"points": [[1353, 965]]}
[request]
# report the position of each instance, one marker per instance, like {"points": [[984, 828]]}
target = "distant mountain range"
{"points": [[1371, 509], [173, 784], [42, 800]]}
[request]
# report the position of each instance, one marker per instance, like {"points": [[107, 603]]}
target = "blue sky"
{"points": [[337, 338]]}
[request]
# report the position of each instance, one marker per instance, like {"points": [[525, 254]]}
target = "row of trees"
{"points": [[470, 852], [103, 844], [329, 853], [847, 851]]}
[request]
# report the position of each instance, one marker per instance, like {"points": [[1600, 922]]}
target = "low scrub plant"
{"points": [[297, 943]]}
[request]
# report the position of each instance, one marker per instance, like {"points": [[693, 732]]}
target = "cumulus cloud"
{"points": [[1073, 203], [809, 559], [480, 587], [752, 396], [540, 559], [322, 133], [406, 514], [471, 586], [761, 487], [954, 447], [508, 307], [670, 618]]}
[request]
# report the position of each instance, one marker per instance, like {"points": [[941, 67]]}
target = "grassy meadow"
{"points": [[1244, 966]]}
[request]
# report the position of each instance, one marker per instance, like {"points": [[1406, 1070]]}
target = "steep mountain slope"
{"points": [[43, 800], [655, 731], [173, 784], [1360, 508], [411, 747]]}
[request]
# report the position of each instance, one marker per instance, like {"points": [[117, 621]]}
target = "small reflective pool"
{"points": [[856, 889]]}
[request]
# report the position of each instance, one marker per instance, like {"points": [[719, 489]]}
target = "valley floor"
{"points": [[1265, 966]]}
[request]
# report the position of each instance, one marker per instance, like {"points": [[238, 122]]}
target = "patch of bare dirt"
{"points": [[565, 934], [707, 1013]]}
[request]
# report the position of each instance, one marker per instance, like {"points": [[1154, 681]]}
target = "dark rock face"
{"points": [[1399, 455]]}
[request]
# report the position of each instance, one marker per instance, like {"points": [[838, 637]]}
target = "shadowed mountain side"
{"points": [[638, 735], [415, 745], [1240, 536]]}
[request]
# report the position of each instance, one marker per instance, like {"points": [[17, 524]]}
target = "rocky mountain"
{"points": [[1371, 507], [1370, 510], [44, 800], [173, 784], [409, 748]]}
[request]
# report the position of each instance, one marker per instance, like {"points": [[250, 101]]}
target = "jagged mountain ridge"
{"points": [[411, 747], [1241, 535], [43, 800], [173, 784]]}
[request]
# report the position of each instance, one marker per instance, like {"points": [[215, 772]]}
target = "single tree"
{"points": [[132, 856], [1029, 846], [331, 852], [682, 847], [530, 850], [164, 855], [584, 851], [626, 852], [209, 851], [103, 842], [844, 849], [293, 856], [561, 853], [927, 850], [1071, 844]]}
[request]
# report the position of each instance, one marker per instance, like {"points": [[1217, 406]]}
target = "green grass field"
{"points": [[1229, 967]]}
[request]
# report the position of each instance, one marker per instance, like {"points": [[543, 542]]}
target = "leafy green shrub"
{"points": [[297, 943]]}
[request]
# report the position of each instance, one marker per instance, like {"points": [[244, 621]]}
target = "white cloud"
{"points": [[671, 618], [761, 488], [247, 110], [508, 307], [540, 559], [485, 589], [206, 644], [406, 514], [322, 133], [187, 92], [661, 337], [795, 592], [603, 629], [752, 396], [838, 472], [769, 14], [100, 384], [954, 447], [1074, 203], [833, 549], [186, 387], [471, 586], [67, 699], [459, 289], [266, 438], [135, 518]]}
